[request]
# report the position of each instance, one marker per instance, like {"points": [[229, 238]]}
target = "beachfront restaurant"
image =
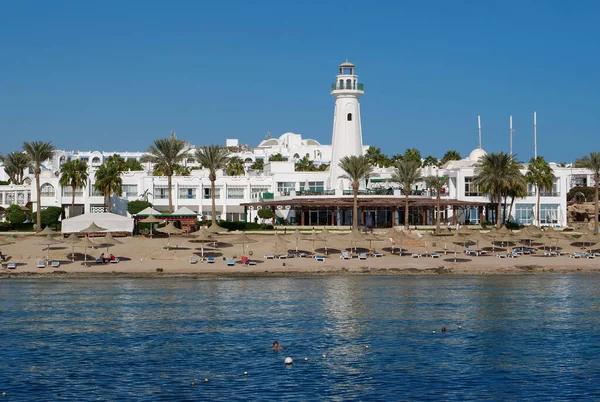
{"points": [[376, 212]]}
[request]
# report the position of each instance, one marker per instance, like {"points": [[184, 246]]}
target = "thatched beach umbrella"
{"points": [[313, 236], [169, 230], [243, 240], [151, 220], [109, 241], [47, 231], [93, 228], [589, 238], [370, 237], [353, 237], [202, 236], [395, 236], [72, 240], [86, 243], [215, 228], [325, 234], [297, 235], [48, 241]]}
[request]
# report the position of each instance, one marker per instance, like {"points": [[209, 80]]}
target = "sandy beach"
{"points": [[141, 256]]}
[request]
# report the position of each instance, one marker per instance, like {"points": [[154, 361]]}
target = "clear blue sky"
{"points": [[115, 75]]}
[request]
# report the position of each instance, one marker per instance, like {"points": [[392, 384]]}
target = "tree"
{"points": [[376, 157], [166, 154], [134, 207], [592, 162], [437, 183], [73, 173], [38, 152], [123, 165], [496, 173], [15, 214], [413, 155], [259, 164], [265, 213], [51, 215], [450, 155], [15, 164], [431, 161], [213, 158], [395, 159], [109, 181], [356, 168], [133, 165], [406, 173], [517, 190], [235, 167], [323, 167], [540, 174], [277, 158], [304, 165]]}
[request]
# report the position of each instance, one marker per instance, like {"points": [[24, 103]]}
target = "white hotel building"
{"points": [[308, 198]]}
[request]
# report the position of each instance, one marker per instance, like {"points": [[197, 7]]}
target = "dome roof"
{"points": [[346, 64], [476, 154]]}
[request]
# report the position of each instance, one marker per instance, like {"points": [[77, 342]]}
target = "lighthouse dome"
{"points": [[476, 154]]}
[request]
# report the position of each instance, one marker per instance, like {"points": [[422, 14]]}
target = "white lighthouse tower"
{"points": [[347, 132]]}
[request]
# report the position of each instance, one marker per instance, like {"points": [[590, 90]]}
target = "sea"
{"points": [[529, 337]]}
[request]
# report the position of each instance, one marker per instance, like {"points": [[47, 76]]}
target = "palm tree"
{"points": [[356, 168], [166, 154], [213, 158], [496, 173], [592, 162], [517, 190], [73, 173], [540, 174], [377, 158], [451, 155], [304, 165], [109, 181], [15, 164], [431, 161], [235, 167], [277, 158], [437, 183], [406, 173], [412, 154], [38, 152]]}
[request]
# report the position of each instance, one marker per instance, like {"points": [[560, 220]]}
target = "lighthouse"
{"points": [[347, 132]]}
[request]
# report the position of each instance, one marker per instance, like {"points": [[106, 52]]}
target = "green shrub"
{"points": [[15, 215], [237, 225], [265, 213], [133, 207], [513, 225], [588, 192], [50, 216], [5, 226]]}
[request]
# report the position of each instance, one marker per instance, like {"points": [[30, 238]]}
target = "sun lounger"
{"points": [[41, 264], [434, 255], [501, 255], [282, 256], [252, 262], [577, 254], [268, 256], [362, 256], [416, 255], [210, 260], [193, 260], [320, 258], [11, 265], [115, 261], [345, 255], [302, 255], [99, 261], [55, 264], [230, 263], [377, 254], [590, 256]]}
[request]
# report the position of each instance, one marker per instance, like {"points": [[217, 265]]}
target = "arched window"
{"points": [[47, 190], [95, 160], [348, 84], [248, 160], [349, 116], [296, 156]]}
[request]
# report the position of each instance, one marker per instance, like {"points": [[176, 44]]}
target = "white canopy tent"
{"points": [[111, 222]]}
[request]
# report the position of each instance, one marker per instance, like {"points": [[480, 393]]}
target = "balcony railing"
{"points": [[551, 194], [351, 87], [371, 192], [322, 192]]}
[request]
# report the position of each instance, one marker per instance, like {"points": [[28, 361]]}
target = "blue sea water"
{"points": [[523, 337]]}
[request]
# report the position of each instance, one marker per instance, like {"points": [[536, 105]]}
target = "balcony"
{"points": [[317, 193], [345, 87], [371, 192], [551, 194]]}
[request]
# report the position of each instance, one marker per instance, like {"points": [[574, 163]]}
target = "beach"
{"points": [[141, 256]]}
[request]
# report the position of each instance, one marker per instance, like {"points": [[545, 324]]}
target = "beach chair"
{"points": [[11, 265], [268, 256], [210, 260], [115, 261], [501, 255], [41, 264], [252, 262], [302, 255], [362, 256], [345, 255], [230, 263], [55, 264], [99, 261], [416, 255], [193, 260], [377, 254], [434, 255], [282, 256], [320, 258]]}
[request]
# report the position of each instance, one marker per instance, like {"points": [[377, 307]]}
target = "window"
{"points": [[554, 192], [84, 159], [349, 116], [95, 160], [548, 214], [256, 192], [68, 192], [235, 193], [524, 214], [95, 192], [10, 198], [130, 190], [20, 199], [530, 189], [161, 192], [471, 190], [316, 186], [207, 195], [187, 193], [47, 190], [284, 187], [190, 161], [1, 198]]}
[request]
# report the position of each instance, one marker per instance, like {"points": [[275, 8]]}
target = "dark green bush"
{"points": [[50, 216], [133, 207], [5, 226], [588, 192], [237, 225]]}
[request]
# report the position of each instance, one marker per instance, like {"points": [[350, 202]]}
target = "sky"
{"points": [[116, 75]]}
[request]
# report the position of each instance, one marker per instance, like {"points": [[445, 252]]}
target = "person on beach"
{"points": [[276, 346], [112, 257], [2, 256], [102, 258]]}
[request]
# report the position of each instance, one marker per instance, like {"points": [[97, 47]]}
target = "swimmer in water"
{"points": [[276, 346]]}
